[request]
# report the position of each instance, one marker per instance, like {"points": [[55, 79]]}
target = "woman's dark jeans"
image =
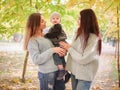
{"points": [[48, 81], [80, 84]]}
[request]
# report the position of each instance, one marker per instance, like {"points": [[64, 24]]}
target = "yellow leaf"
{"points": [[97, 87], [15, 80], [48, 0], [115, 88], [117, 1], [28, 80], [3, 85], [72, 3]]}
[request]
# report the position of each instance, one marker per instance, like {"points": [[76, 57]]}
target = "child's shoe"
{"points": [[67, 76]]}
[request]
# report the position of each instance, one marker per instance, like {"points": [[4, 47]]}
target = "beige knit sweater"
{"points": [[83, 65]]}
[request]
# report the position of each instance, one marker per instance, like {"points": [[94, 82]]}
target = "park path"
{"points": [[105, 78]]}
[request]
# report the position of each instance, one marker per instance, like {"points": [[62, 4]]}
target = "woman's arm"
{"points": [[85, 58], [89, 54], [39, 57]]}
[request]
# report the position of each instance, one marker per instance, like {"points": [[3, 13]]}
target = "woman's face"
{"points": [[42, 23]]}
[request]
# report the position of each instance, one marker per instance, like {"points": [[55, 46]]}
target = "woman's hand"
{"points": [[60, 51], [64, 45]]}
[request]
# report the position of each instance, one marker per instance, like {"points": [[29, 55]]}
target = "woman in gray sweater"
{"points": [[83, 53], [41, 51]]}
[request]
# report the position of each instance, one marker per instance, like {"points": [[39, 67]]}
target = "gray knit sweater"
{"points": [[40, 51], [83, 65]]}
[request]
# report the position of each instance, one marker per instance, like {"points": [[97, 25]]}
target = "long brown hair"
{"points": [[32, 27], [88, 24]]}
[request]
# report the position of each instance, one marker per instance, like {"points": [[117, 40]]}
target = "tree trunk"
{"points": [[24, 68], [118, 61]]}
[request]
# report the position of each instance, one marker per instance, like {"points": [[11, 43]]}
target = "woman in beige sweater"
{"points": [[41, 51], [83, 53]]}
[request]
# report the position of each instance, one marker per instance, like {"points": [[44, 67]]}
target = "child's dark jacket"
{"points": [[56, 34]]}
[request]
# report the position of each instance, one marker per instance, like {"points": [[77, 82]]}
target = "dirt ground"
{"points": [[11, 66]]}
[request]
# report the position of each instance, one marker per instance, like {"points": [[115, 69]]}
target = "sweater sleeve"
{"points": [[90, 53], [36, 55]]}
